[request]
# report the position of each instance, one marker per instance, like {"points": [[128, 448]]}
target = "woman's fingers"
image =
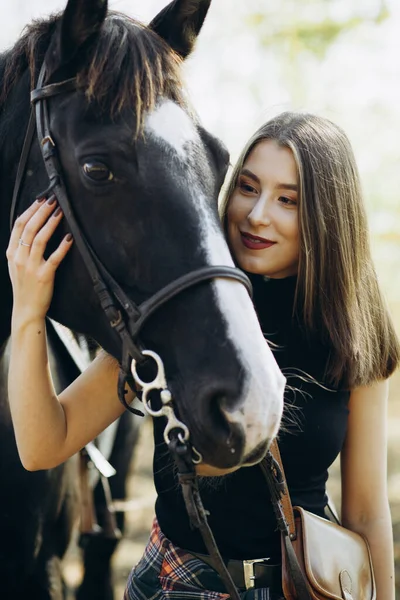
{"points": [[54, 260], [42, 237], [31, 233], [19, 226], [35, 223]]}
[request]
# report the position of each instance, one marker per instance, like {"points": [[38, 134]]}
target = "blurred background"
{"points": [[254, 59]]}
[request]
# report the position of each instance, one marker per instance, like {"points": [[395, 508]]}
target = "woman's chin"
{"points": [[204, 470]]}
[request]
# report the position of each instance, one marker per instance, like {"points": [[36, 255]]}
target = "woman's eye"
{"points": [[287, 201], [247, 188], [98, 171]]}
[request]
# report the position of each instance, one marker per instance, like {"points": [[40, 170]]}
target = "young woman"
{"points": [[294, 218]]}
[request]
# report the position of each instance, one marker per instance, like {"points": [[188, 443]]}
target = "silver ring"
{"points": [[22, 243]]}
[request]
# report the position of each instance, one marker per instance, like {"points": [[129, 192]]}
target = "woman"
{"points": [[294, 219]]}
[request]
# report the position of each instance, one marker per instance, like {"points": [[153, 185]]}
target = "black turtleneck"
{"points": [[312, 434]]}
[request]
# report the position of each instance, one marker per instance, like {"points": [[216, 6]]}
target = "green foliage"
{"points": [[305, 34], [318, 37]]}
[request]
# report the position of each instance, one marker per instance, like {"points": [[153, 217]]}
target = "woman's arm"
{"points": [[49, 429], [365, 506]]}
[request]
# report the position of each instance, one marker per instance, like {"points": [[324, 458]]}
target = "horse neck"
{"points": [[13, 123]]}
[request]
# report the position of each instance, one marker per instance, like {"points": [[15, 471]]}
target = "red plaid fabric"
{"points": [[167, 572]]}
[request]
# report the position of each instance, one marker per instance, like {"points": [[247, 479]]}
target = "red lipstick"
{"points": [[255, 242]]}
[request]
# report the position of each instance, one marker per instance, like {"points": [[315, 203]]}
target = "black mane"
{"points": [[122, 48]]}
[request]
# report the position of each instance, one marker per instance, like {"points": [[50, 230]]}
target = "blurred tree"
{"points": [[313, 27], [299, 33]]}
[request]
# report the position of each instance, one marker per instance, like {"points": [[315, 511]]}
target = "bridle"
{"points": [[124, 316]]}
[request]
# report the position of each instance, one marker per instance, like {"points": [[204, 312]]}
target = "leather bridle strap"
{"points": [[30, 132], [148, 307], [57, 88], [53, 89]]}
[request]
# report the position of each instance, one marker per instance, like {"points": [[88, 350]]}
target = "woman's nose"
{"points": [[259, 214]]}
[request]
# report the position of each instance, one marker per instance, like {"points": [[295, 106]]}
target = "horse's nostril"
{"points": [[217, 427], [218, 403]]}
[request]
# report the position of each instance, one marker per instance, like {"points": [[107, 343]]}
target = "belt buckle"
{"points": [[249, 572]]}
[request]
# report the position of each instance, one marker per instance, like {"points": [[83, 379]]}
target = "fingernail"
{"points": [[51, 200], [68, 237], [40, 200], [57, 212]]}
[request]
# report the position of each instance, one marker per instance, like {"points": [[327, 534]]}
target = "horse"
{"points": [[111, 132]]}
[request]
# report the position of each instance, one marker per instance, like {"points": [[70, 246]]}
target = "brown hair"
{"points": [[128, 65], [337, 293]]}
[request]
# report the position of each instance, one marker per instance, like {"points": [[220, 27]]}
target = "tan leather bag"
{"points": [[335, 562]]}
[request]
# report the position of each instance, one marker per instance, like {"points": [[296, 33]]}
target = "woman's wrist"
{"points": [[23, 323]]}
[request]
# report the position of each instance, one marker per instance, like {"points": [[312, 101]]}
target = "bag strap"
{"points": [[274, 473], [285, 500]]}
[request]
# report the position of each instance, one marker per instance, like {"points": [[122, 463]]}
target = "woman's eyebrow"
{"points": [[287, 186], [279, 186], [250, 174]]}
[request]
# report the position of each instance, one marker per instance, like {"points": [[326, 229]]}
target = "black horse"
{"points": [[142, 177]]}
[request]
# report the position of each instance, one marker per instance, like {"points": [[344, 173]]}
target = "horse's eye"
{"points": [[98, 171]]}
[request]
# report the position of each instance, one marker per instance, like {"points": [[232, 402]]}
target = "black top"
{"points": [[312, 434]]}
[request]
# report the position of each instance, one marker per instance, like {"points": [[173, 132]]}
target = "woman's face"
{"points": [[262, 215]]}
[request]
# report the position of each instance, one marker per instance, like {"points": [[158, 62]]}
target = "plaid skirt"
{"points": [[167, 572]]}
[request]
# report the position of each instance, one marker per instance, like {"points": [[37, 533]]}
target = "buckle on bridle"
{"points": [[249, 572], [48, 140], [117, 321]]}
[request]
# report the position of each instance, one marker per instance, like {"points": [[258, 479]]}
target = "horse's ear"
{"points": [[81, 20], [180, 22]]}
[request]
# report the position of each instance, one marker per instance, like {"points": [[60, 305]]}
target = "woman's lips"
{"points": [[254, 242]]}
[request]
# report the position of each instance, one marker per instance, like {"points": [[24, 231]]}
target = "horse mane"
{"points": [[128, 65]]}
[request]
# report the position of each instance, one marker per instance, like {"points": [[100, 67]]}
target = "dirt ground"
{"points": [[141, 501]]}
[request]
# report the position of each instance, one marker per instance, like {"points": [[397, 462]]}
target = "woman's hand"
{"points": [[49, 428], [32, 276]]}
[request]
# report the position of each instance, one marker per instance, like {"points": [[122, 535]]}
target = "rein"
{"points": [[176, 437], [196, 512], [126, 317]]}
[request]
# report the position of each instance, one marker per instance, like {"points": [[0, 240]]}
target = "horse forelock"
{"points": [[127, 66], [131, 67]]}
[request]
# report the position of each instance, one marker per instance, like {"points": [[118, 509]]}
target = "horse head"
{"points": [[142, 177]]}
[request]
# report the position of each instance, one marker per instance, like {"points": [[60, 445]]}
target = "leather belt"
{"points": [[249, 574]]}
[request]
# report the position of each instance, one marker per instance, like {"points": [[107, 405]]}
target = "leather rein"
{"points": [[124, 316]]}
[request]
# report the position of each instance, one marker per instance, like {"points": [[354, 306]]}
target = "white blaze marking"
{"points": [[170, 123], [264, 384], [260, 411]]}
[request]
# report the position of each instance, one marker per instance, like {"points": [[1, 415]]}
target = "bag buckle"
{"points": [[249, 572]]}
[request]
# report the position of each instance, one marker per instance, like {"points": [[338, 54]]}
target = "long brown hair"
{"points": [[337, 292]]}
